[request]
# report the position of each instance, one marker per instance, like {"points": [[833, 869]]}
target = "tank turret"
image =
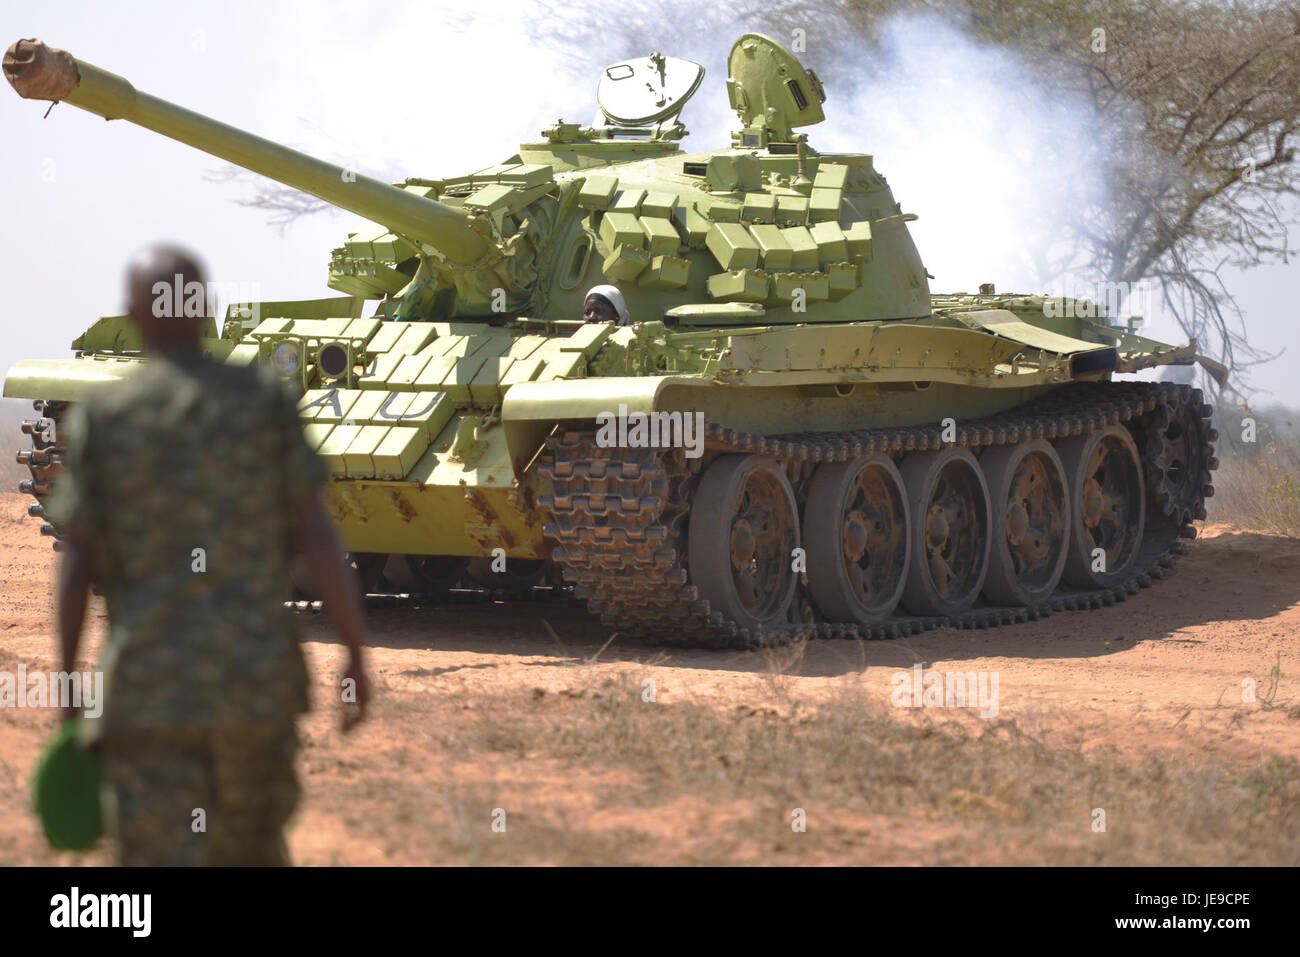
{"points": [[769, 226]]}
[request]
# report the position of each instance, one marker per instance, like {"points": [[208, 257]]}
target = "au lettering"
{"points": [[408, 413], [331, 399]]}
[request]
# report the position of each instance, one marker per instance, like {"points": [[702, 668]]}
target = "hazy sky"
{"points": [[428, 90]]}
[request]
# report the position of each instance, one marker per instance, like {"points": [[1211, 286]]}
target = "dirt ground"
{"points": [[520, 733]]}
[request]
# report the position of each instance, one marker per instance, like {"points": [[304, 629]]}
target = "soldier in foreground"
{"points": [[185, 492]]}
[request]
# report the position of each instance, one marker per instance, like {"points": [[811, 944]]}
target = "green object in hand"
{"points": [[65, 792]]}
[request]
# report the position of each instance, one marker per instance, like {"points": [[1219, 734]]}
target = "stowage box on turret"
{"points": [[789, 436]]}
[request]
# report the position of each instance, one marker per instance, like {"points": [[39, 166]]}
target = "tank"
{"points": [[790, 436]]}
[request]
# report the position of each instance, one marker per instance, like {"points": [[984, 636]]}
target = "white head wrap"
{"points": [[615, 299]]}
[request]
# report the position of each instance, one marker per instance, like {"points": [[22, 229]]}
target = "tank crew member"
{"points": [[204, 677], [605, 304]]}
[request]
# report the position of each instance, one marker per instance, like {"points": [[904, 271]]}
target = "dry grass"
{"points": [[1262, 494], [1257, 485], [595, 774]]}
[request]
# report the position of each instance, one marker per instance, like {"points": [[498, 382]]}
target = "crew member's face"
{"points": [[598, 309]]}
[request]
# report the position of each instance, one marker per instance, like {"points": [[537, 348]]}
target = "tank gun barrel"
{"points": [[41, 72]]}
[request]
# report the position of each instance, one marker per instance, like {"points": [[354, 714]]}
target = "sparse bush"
{"points": [[1257, 485]]}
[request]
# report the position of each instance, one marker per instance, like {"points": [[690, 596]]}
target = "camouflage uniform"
{"points": [[203, 672]]}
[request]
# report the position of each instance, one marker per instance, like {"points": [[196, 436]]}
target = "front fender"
{"points": [[530, 409], [65, 380]]}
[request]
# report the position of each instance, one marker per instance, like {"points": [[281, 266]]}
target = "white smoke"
{"points": [[994, 165]]}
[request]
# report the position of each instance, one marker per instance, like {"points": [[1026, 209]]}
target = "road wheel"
{"points": [[1030, 522], [424, 574], [949, 505], [1107, 506], [520, 576], [369, 567], [857, 535], [744, 527]]}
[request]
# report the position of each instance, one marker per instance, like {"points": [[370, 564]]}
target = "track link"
{"points": [[44, 459], [619, 515]]}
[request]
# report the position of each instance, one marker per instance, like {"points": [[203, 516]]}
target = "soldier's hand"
{"points": [[356, 686]]}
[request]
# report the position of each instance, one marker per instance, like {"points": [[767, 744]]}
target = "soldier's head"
{"points": [[605, 304], [167, 297]]}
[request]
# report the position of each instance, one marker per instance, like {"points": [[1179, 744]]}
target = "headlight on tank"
{"points": [[333, 360], [286, 358]]}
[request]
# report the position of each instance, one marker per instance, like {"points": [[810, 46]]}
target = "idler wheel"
{"points": [[743, 530], [1030, 522], [857, 536], [949, 506], [1107, 506]]}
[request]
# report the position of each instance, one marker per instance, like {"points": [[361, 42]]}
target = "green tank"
{"points": [[785, 434]]}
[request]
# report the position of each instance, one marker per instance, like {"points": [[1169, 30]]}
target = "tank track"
{"points": [[43, 460], [620, 515]]}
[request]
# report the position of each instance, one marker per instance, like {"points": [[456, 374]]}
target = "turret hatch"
{"points": [[638, 93], [771, 91]]}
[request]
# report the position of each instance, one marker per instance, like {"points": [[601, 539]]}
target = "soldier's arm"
{"points": [[74, 507], [316, 541], [76, 573], [318, 544]]}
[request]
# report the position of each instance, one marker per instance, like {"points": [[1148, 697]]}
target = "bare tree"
{"points": [[1201, 104], [284, 203]]}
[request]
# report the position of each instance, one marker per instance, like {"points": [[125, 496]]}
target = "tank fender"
{"points": [[1007, 325], [64, 380], [531, 409]]}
